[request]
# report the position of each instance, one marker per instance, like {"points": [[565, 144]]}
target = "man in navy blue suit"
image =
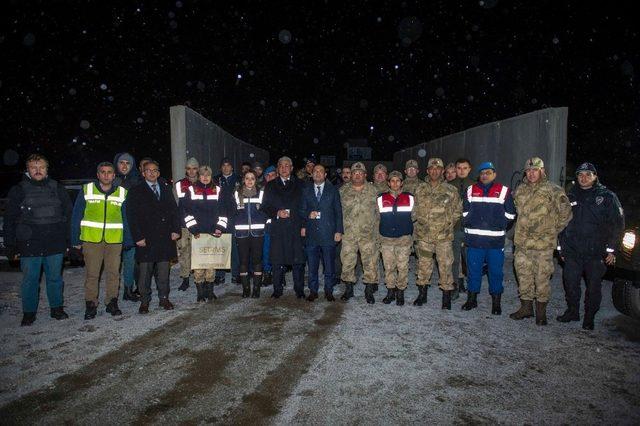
{"points": [[322, 214]]}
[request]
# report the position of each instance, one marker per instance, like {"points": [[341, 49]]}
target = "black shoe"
{"points": [[472, 301], [277, 294], [461, 287], [130, 295], [59, 313], [571, 314], [185, 284], [446, 299], [422, 295], [390, 297], [329, 297], [136, 293], [28, 318], [257, 283], [399, 297], [200, 292], [375, 288], [587, 325], [218, 280], [246, 286], [496, 309], [368, 293], [112, 308], [348, 291], [312, 296], [300, 295], [91, 310], [209, 294], [235, 279], [267, 279]]}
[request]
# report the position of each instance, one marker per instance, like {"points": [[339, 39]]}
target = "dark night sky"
{"points": [[82, 80]]}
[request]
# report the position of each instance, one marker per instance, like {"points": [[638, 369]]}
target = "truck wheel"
{"points": [[626, 298]]}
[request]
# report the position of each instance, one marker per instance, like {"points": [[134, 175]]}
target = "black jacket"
{"points": [[286, 242], [597, 224], [203, 209], [153, 220], [36, 222]]}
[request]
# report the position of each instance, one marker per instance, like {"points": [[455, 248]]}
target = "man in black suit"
{"points": [[155, 226]]}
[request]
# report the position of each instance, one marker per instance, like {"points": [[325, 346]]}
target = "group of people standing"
{"points": [[280, 220]]}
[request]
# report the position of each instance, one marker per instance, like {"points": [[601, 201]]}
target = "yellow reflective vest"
{"points": [[102, 220]]}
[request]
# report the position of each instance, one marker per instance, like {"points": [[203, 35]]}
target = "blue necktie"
{"points": [[155, 190], [319, 193]]}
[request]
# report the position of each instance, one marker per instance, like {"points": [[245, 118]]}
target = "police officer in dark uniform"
{"points": [[589, 243]]}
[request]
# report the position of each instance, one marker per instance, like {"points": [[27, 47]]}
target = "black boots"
{"points": [[91, 310], [257, 283], [390, 297], [185, 284], [348, 291], [422, 295], [112, 308], [58, 313], [208, 291], [525, 311], [446, 299], [130, 295], [267, 277], [399, 297], [368, 293], [200, 290], [461, 287], [496, 309], [246, 286], [588, 321], [472, 301], [541, 313], [28, 318], [571, 314]]}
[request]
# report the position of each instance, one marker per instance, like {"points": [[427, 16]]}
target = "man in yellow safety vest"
{"points": [[99, 228]]}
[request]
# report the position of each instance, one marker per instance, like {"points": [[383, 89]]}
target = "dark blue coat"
{"points": [[320, 232]]}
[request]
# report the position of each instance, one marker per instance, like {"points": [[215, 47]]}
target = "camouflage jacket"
{"points": [[360, 212], [412, 184], [381, 187], [437, 211], [543, 212]]}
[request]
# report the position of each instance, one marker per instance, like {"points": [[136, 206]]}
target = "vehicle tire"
{"points": [[626, 298]]}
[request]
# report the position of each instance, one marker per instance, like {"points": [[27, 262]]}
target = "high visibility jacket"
{"points": [[486, 212], [395, 214], [102, 219], [249, 220]]}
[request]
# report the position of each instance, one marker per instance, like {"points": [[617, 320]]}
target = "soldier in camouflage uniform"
{"points": [[438, 209], [380, 176], [543, 211], [360, 220], [411, 182]]}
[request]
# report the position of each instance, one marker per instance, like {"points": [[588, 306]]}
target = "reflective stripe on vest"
{"points": [[102, 220]]}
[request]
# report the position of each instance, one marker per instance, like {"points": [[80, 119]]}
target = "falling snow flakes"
{"points": [[284, 36], [84, 124], [103, 86]]}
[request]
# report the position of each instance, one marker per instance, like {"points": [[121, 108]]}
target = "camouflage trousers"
{"points": [[534, 269], [368, 248], [202, 275], [184, 253], [395, 255], [444, 255]]}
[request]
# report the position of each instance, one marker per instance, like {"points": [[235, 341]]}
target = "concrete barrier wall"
{"points": [[193, 135], [507, 143]]}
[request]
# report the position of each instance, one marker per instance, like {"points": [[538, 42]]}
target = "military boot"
{"points": [[496, 309], [455, 293], [446, 299], [461, 286], [185, 284], [267, 277], [257, 283], [209, 294], [91, 310], [246, 286], [399, 297], [588, 321], [541, 313], [472, 301], [390, 297], [571, 314], [112, 307], [375, 287], [200, 292], [58, 313], [422, 295], [348, 291], [525, 311], [368, 294], [28, 318]]}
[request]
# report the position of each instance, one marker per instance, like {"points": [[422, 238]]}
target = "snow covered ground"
{"points": [[290, 361]]}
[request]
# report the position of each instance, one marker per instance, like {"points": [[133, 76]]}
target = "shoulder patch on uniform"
{"points": [[599, 199]]}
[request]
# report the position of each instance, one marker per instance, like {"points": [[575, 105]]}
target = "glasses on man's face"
{"points": [[486, 173], [151, 170]]}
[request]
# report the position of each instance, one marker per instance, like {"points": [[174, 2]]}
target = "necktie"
{"points": [[319, 193], [155, 190]]}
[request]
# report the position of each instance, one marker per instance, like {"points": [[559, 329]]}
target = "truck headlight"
{"points": [[629, 240]]}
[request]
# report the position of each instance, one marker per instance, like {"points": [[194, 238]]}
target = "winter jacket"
{"points": [[181, 190], [36, 222], [153, 220], [486, 212], [597, 224], [321, 231], [204, 210], [129, 180], [248, 218], [395, 214], [438, 209]]}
